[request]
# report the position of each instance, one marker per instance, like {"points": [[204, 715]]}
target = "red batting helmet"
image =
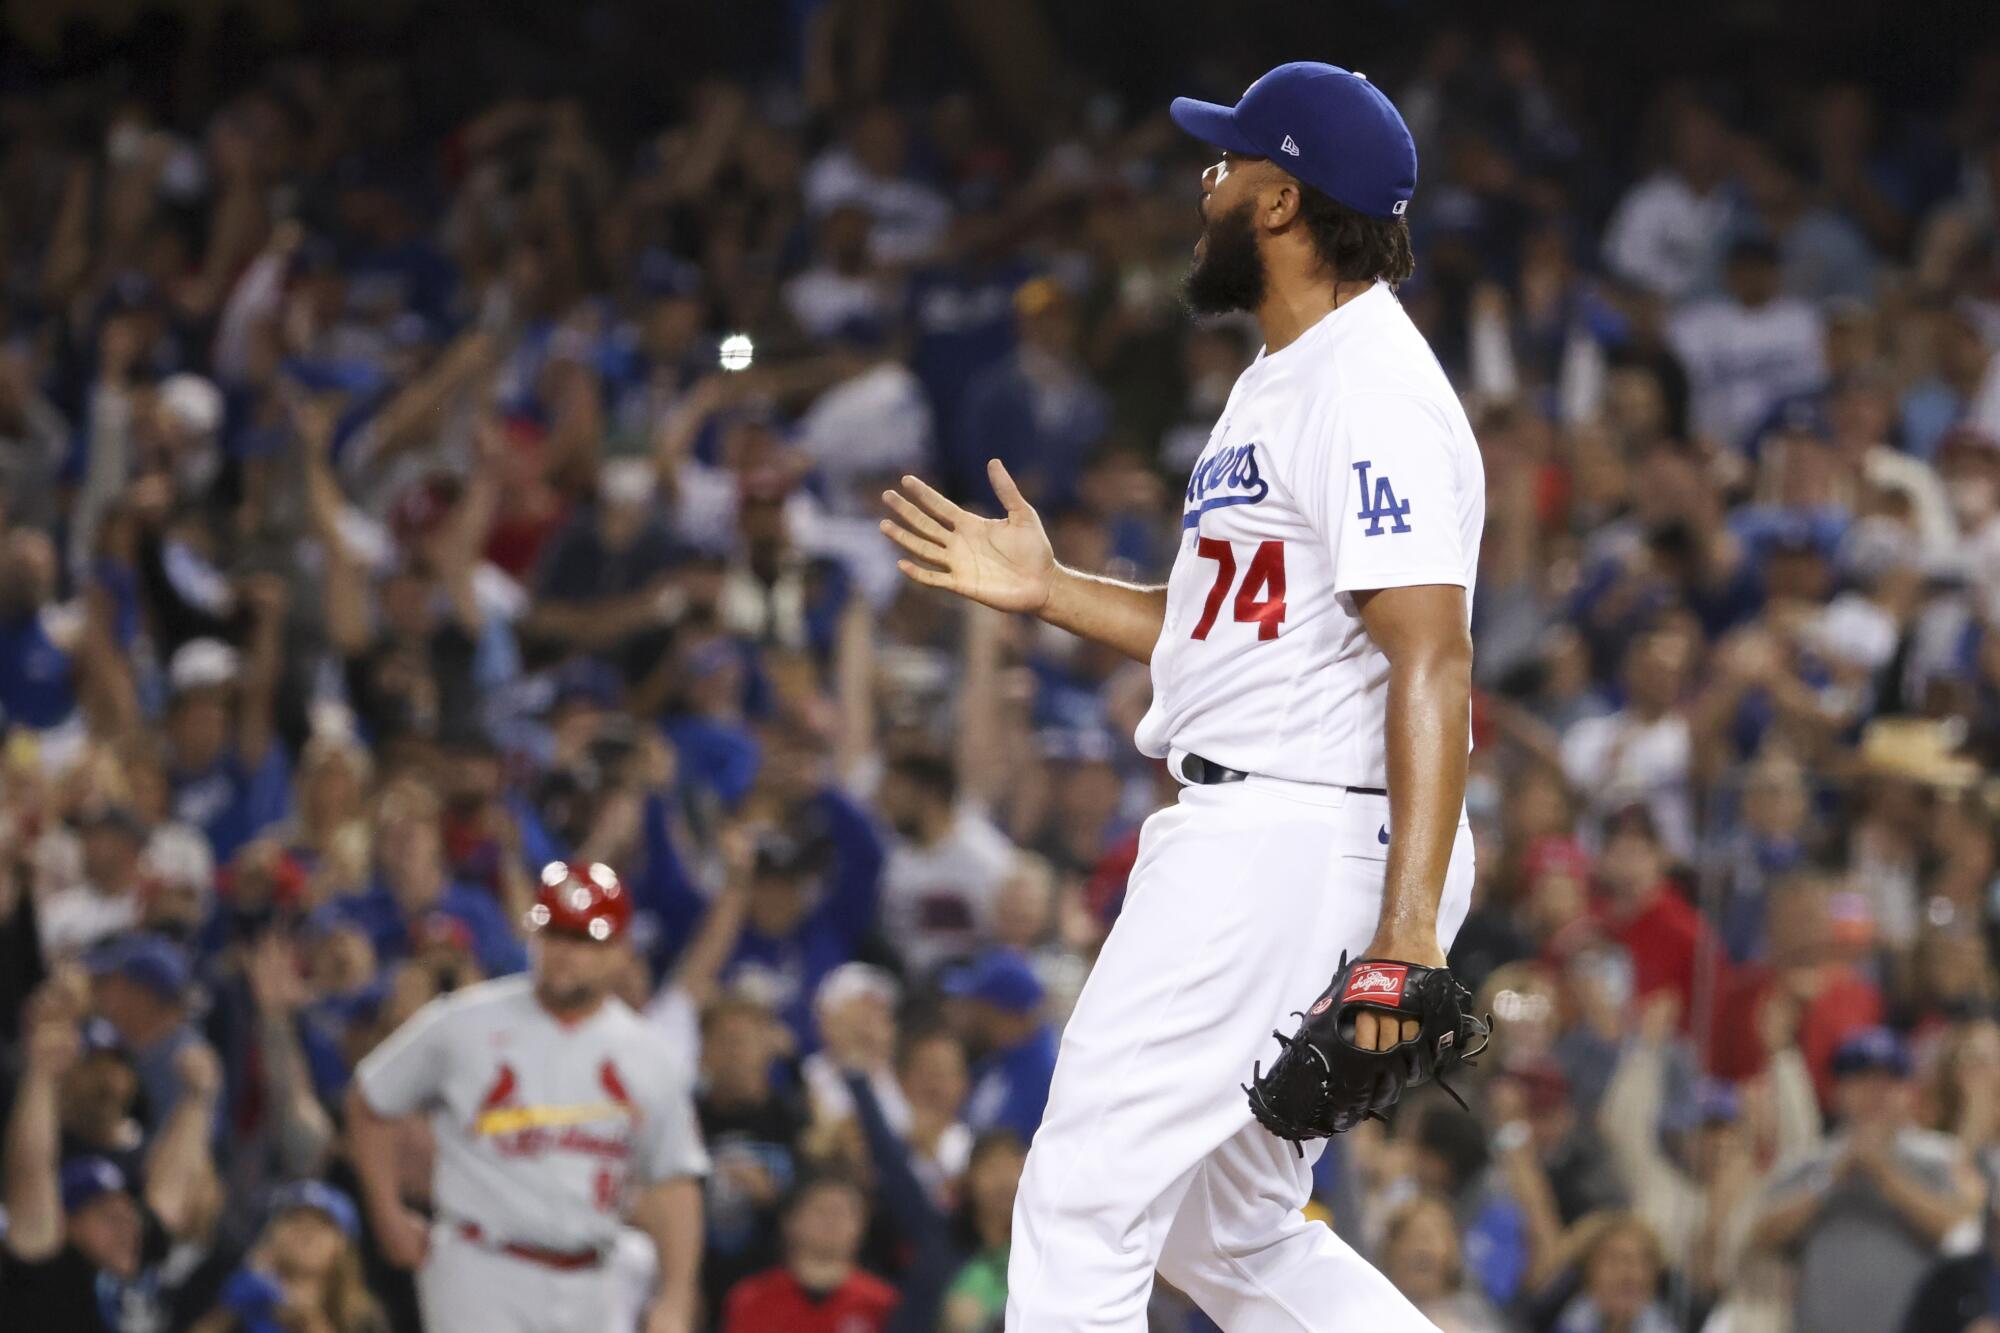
{"points": [[579, 898]]}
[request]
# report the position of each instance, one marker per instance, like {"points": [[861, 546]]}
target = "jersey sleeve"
{"points": [[1384, 487], [406, 1072], [670, 1138]]}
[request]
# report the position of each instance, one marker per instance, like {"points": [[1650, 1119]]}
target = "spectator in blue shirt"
{"points": [[1935, 405], [36, 686], [961, 321], [809, 907], [1452, 1158], [139, 986], [1002, 999], [600, 582], [707, 723], [412, 888], [1037, 411], [229, 776], [822, 817]]}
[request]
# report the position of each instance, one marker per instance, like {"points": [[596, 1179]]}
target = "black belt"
{"points": [[1207, 773]]}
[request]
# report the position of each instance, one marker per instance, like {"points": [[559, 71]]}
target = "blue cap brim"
{"points": [[1212, 124]]}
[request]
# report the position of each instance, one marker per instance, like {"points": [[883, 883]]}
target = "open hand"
{"points": [[54, 1045], [1778, 1020], [1005, 563], [273, 971]]}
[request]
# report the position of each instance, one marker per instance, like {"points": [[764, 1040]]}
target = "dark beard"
{"points": [[1229, 276], [567, 1001]]}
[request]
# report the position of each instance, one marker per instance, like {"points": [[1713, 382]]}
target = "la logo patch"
{"points": [[1380, 503]]}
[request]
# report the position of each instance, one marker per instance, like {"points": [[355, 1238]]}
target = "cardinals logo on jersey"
{"points": [[502, 1090], [501, 1114]]}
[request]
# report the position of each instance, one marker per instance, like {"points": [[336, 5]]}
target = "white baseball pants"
{"points": [[1238, 908]]}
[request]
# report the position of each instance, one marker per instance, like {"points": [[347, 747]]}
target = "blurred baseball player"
{"points": [[558, 1113], [1311, 662]]}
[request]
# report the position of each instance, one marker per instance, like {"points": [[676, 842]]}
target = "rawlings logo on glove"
{"points": [[1323, 1084], [1380, 981]]}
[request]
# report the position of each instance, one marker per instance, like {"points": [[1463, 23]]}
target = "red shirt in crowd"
{"points": [[1842, 1002], [774, 1302], [1665, 940]]}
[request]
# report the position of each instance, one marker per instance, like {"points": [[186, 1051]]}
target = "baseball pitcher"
{"points": [[1311, 661]]}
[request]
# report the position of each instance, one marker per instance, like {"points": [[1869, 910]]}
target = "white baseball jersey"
{"points": [[541, 1125], [1342, 463]]}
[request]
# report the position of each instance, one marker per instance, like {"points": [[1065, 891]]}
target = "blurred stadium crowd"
{"points": [[399, 492]]}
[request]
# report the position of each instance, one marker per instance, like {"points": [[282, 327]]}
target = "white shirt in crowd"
{"points": [[822, 300], [1742, 360], [73, 919], [873, 425], [909, 217], [1666, 238], [1342, 463], [78, 915], [938, 900], [1620, 758]]}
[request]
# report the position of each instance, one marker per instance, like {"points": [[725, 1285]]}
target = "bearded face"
{"points": [[1228, 272]]}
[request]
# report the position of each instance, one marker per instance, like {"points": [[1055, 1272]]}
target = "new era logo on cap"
{"points": [[1290, 146]]}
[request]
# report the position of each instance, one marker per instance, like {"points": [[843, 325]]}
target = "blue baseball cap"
{"points": [[1711, 1101], [1328, 126], [87, 1179], [330, 1201], [587, 680], [1716, 1101], [1872, 1051], [251, 1296], [148, 960], [1001, 978]]}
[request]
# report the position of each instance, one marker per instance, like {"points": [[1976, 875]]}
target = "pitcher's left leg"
{"points": [[1242, 1250], [1241, 1247]]}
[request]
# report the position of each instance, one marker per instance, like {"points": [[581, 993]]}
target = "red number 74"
{"points": [[1265, 575]]}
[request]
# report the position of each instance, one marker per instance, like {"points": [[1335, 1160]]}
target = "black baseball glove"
{"points": [[1323, 1084]]}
